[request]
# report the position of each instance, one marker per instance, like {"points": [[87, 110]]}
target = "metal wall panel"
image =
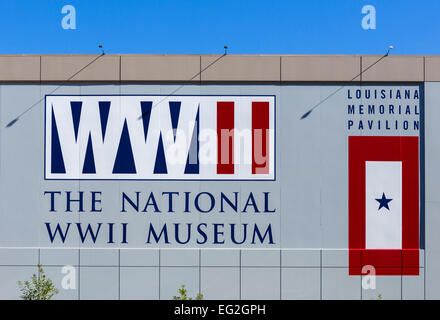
{"points": [[310, 194]]}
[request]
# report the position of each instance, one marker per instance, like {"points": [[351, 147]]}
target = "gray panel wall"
{"points": [[432, 158], [309, 259]]}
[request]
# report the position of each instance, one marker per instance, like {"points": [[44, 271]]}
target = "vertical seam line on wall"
{"points": [[280, 69], [320, 274], [159, 273], [38, 267], [424, 68], [200, 70], [424, 273], [200, 270], [79, 274], [119, 273], [281, 282], [239, 276], [40, 70], [360, 69], [120, 68]]}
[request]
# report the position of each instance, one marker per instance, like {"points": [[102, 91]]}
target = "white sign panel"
{"points": [[160, 137], [383, 204]]}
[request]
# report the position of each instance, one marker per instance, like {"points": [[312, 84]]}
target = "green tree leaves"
{"points": [[184, 296], [40, 287]]}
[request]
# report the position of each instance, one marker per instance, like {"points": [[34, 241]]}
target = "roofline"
{"points": [[217, 68]]}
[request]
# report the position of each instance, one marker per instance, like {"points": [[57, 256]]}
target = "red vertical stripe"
{"points": [[225, 137], [356, 203], [260, 137]]}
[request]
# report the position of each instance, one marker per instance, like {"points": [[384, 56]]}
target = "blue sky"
{"points": [[205, 26]]}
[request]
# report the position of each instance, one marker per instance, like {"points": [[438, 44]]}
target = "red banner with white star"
{"points": [[383, 204]]}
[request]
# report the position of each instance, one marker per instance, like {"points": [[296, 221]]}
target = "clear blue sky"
{"points": [[205, 26]]}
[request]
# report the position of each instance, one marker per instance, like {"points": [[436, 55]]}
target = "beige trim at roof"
{"points": [[217, 68]]}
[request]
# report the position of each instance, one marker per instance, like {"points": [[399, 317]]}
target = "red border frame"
{"points": [[374, 148]]}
